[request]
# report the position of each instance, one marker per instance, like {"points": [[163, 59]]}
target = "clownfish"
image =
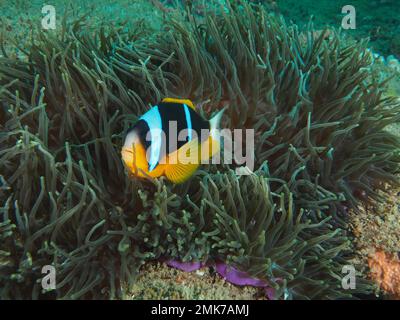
{"points": [[151, 149]]}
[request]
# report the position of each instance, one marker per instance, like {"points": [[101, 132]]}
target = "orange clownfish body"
{"points": [[171, 140]]}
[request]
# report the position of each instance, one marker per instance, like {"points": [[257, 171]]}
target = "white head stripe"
{"points": [[153, 120]]}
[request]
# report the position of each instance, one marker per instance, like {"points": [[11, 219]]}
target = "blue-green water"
{"points": [[378, 20]]}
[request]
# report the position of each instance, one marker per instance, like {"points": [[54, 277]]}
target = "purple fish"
{"points": [[237, 277], [229, 273], [185, 266]]}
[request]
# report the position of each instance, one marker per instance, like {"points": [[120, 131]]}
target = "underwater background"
{"points": [[323, 198]]}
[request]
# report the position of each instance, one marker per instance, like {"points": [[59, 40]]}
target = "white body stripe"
{"points": [[188, 122], [153, 120]]}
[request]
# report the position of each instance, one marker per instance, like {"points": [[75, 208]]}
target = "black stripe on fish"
{"points": [[176, 112]]}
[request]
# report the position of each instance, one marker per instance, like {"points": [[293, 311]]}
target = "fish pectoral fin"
{"points": [[184, 162], [178, 173]]}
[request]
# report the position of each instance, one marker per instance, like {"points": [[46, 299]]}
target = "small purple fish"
{"points": [[229, 273], [185, 266], [237, 277]]}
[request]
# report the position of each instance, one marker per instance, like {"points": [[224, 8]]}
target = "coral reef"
{"points": [[377, 226], [385, 270], [376, 230], [320, 147]]}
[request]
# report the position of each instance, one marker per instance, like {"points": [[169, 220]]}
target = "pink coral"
{"points": [[385, 270]]}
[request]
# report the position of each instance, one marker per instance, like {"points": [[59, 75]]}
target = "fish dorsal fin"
{"points": [[180, 101]]}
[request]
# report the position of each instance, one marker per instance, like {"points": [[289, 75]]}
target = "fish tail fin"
{"points": [[212, 145], [216, 120]]}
